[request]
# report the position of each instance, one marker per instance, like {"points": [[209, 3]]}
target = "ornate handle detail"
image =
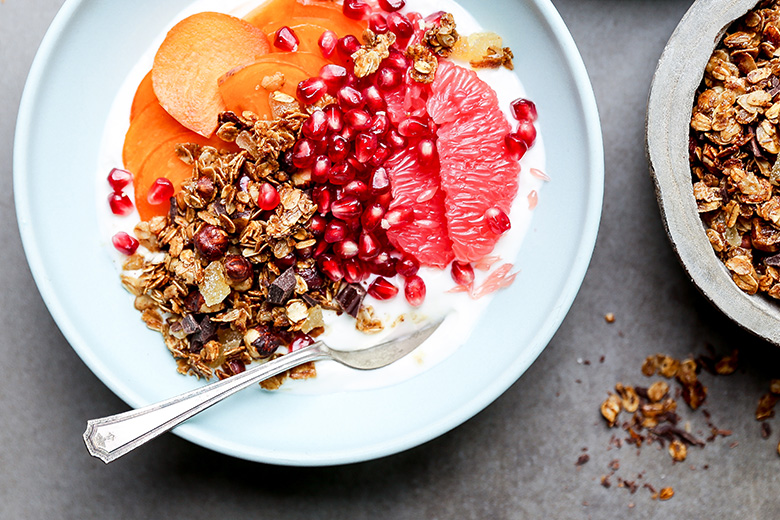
{"points": [[111, 437]]}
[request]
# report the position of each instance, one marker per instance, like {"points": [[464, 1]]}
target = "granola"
{"points": [[734, 148], [222, 283]]}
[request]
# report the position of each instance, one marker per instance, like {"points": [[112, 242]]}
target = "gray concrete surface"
{"points": [[514, 460]]}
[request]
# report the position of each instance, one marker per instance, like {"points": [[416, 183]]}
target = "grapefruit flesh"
{"points": [[476, 172], [426, 236]]}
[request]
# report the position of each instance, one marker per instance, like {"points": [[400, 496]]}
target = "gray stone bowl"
{"points": [[679, 73]]}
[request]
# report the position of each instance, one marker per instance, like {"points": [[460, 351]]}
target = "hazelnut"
{"points": [[211, 242], [260, 342], [237, 268], [205, 188]]}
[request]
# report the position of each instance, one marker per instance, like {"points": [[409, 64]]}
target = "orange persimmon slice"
{"points": [[243, 89], [147, 130], [144, 96], [196, 52], [284, 10]]}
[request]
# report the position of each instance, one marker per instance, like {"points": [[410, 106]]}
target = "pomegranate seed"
{"points": [[382, 289], [354, 9], [384, 265], [399, 25], [515, 146], [462, 273], [268, 198], [368, 246], [320, 249], [118, 179], [335, 231], [526, 132], [321, 146], [398, 216], [348, 133], [317, 225], [396, 60], [380, 181], [365, 146], [335, 118], [375, 100], [426, 151], [334, 76], [341, 173], [350, 97], [347, 45], [124, 243], [320, 169], [391, 5], [357, 189], [372, 216], [303, 153], [121, 204], [395, 140], [161, 191], [322, 197], [380, 155], [357, 165], [327, 43], [497, 220], [378, 23], [414, 290], [380, 124], [338, 148], [300, 341], [407, 265], [523, 110], [346, 208], [286, 39], [316, 126], [384, 199], [412, 127], [346, 248], [311, 90], [357, 119], [330, 267], [388, 78], [354, 270]]}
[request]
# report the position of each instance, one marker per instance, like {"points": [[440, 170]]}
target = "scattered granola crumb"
{"points": [[609, 317], [582, 459], [666, 493]]}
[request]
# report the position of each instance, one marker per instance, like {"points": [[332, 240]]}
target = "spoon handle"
{"points": [[111, 437]]}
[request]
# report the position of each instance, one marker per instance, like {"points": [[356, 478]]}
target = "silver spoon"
{"points": [[111, 437]]}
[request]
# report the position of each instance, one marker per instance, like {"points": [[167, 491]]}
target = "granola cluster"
{"points": [[225, 281], [734, 148]]}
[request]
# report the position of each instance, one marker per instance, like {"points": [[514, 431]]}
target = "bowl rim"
{"points": [[667, 131]]}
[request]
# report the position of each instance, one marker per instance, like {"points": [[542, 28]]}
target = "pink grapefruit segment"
{"points": [[476, 171], [426, 236]]}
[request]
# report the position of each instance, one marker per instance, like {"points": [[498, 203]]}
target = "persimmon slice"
{"points": [[196, 52], [243, 89]]}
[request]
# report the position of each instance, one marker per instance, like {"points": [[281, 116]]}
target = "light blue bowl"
{"points": [[88, 51]]}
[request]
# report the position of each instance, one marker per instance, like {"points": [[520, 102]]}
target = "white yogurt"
{"points": [[462, 312]]}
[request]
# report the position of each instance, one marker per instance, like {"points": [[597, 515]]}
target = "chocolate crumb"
{"points": [[766, 430], [282, 288], [583, 459], [350, 297]]}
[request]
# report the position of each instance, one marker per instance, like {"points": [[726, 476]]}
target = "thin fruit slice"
{"points": [[337, 23], [308, 35], [162, 162], [243, 90], [476, 171], [283, 11], [195, 53], [144, 96], [425, 237], [147, 130]]}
